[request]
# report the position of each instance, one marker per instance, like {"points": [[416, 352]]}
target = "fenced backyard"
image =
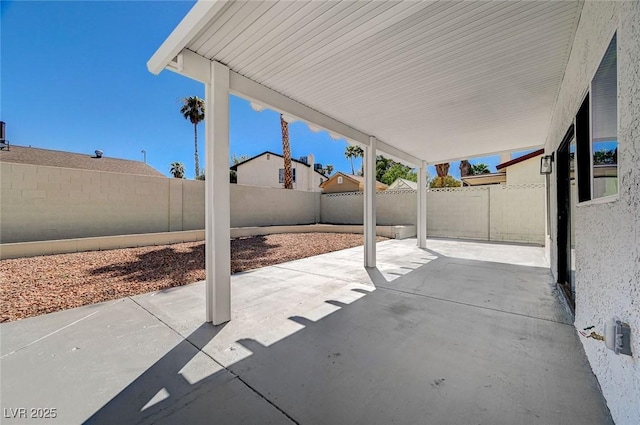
{"points": [[50, 203]]}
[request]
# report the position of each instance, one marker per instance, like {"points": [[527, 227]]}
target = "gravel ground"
{"points": [[39, 285]]}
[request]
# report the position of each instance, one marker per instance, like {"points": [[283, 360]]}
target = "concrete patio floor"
{"points": [[460, 333]]}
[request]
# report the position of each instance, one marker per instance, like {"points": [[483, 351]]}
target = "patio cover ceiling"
{"points": [[440, 80]]}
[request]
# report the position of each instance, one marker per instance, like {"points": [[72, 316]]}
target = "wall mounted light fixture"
{"points": [[545, 164]]}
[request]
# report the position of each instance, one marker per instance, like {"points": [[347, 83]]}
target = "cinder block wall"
{"points": [[517, 213], [46, 203], [514, 213], [265, 206], [458, 213], [392, 208]]}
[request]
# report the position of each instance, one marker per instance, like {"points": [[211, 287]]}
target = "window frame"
{"points": [[281, 175], [615, 196], [589, 93]]}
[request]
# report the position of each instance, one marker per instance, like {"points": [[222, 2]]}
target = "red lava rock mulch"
{"points": [[39, 285]]}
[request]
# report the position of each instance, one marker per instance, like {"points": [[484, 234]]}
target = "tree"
{"points": [[177, 170], [286, 153], [442, 170], [235, 160], [328, 170], [353, 152], [466, 169], [446, 181], [443, 178], [382, 166], [480, 168], [604, 156], [399, 171], [201, 176], [193, 110]]}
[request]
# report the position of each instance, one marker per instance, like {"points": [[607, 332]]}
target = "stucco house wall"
{"points": [[607, 233], [527, 171], [346, 186], [264, 171]]}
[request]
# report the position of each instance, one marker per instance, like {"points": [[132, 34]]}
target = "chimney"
{"points": [[505, 157], [99, 153]]}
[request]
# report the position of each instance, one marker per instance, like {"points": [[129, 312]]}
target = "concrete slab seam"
{"points": [[472, 305], [50, 334], [319, 275], [235, 375]]}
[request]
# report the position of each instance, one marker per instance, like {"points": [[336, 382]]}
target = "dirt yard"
{"points": [[40, 285]]}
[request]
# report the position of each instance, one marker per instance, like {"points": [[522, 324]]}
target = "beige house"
{"points": [[522, 170], [341, 182], [267, 170]]}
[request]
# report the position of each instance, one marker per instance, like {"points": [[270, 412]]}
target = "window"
{"points": [[281, 175], [582, 160], [340, 180], [604, 126]]}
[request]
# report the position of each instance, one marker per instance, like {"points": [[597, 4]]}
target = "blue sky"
{"points": [[74, 78]]}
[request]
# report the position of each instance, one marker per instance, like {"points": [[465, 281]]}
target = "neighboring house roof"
{"points": [[356, 179], [482, 179], [51, 158], [400, 182], [520, 159], [235, 167]]}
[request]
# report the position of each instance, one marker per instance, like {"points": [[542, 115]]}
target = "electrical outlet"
{"points": [[617, 336]]}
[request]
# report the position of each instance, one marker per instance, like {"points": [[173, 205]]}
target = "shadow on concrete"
{"points": [[163, 383], [426, 351]]}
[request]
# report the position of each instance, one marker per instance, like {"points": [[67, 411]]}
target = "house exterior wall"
{"points": [[527, 171], [264, 171], [607, 233], [346, 186]]}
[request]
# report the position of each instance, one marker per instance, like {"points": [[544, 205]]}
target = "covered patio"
{"points": [[421, 82], [457, 333]]}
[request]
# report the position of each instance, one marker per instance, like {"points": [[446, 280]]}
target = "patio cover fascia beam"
{"points": [[200, 15], [196, 67], [485, 154]]}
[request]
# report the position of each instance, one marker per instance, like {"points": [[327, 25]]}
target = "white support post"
{"points": [[422, 206], [217, 196], [370, 203]]}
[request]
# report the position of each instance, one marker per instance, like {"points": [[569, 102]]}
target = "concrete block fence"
{"points": [[40, 203]]}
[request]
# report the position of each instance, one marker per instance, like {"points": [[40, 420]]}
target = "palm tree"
{"points": [[442, 170], [466, 169], [480, 168], [353, 152], [193, 110], [328, 170], [286, 153], [177, 170]]}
